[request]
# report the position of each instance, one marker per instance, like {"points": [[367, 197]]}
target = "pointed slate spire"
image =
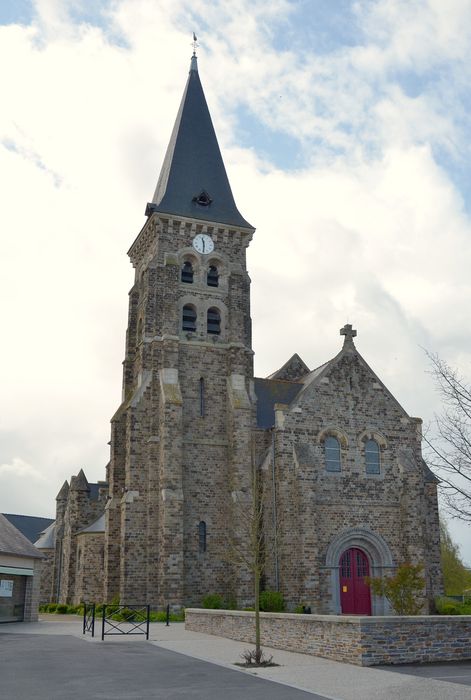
{"points": [[193, 180]]}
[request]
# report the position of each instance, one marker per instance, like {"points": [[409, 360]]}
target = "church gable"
{"points": [[347, 386], [293, 370]]}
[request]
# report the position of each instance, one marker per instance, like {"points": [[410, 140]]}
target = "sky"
{"points": [[345, 130]]}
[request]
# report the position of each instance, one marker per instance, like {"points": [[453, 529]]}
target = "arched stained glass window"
{"points": [[202, 536], [332, 454], [189, 318], [372, 457]]}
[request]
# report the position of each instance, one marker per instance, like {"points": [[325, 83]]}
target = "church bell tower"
{"points": [[181, 439]]}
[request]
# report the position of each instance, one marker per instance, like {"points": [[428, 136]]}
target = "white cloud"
{"points": [[20, 469], [371, 230]]}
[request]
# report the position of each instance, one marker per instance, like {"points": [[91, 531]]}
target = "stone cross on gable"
{"points": [[348, 332]]}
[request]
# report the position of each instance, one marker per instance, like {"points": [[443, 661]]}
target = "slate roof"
{"points": [[272, 391], [29, 525], [193, 165], [12, 541], [97, 525], [94, 490], [430, 477], [47, 539]]}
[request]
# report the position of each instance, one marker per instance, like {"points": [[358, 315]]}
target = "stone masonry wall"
{"points": [[364, 641], [47, 566], [33, 587], [395, 507], [177, 459], [90, 564]]}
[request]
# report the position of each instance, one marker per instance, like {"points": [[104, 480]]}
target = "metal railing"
{"points": [[125, 619], [89, 618], [119, 619]]}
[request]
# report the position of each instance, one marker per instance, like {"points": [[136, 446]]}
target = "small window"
{"points": [[332, 454], [202, 397], [202, 537], [372, 460], [139, 330], [214, 321], [189, 318], [187, 273], [346, 565], [212, 278]]}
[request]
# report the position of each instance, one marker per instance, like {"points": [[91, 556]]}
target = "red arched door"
{"points": [[355, 597]]}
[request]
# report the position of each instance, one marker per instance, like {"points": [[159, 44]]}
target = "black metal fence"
{"points": [[89, 618], [117, 619], [125, 619]]}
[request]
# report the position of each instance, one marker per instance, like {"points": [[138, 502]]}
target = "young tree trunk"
{"points": [[258, 651], [257, 554]]}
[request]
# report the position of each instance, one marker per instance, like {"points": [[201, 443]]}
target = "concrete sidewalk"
{"points": [[330, 679]]}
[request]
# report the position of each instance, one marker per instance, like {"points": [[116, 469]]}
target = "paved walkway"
{"points": [[317, 677]]}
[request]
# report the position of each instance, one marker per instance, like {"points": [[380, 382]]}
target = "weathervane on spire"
{"points": [[194, 43]]}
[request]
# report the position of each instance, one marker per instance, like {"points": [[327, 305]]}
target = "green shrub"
{"points": [[299, 610], [51, 607], [213, 601], [271, 601], [404, 589], [162, 616], [62, 609], [448, 606]]}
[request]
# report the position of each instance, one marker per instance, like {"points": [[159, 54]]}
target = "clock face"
{"points": [[203, 243]]}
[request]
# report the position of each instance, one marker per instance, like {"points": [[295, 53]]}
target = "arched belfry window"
{"points": [[372, 457], [212, 278], [187, 272], [202, 537], [214, 321], [189, 318], [332, 454]]}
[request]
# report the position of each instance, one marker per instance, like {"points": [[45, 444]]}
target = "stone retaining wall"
{"points": [[365, 641]]}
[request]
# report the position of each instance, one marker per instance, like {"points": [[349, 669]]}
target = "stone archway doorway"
{"points": [[355, 596]]}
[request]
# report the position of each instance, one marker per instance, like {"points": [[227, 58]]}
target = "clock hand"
{"points": [[202, 241]]}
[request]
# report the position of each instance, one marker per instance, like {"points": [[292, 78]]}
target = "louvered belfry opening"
{"points": [[214, 321], [187, 272], [189, 318], [212, 278]]}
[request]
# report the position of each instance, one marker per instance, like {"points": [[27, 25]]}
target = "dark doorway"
{"points": [[355, 597]]}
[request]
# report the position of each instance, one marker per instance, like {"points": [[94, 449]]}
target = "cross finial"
{"points": [[348, 332], [194, 43]]}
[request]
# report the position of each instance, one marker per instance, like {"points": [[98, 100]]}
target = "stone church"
{"points": [[346, 490]]}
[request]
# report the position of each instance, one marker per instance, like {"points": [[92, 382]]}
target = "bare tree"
{"points": [[450, 447], [248, 548]]}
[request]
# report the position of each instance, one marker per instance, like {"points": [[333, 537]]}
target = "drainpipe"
{"points": [[275, 513]]}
